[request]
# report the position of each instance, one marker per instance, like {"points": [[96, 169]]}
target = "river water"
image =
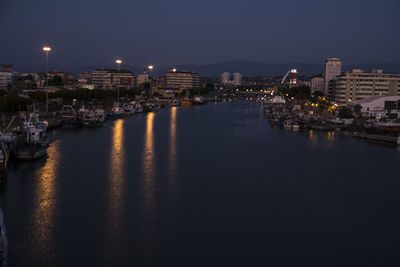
{"points": [[211, 185]]}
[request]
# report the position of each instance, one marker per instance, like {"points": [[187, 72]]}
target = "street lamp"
{"points": [[150, 67], [118, 62], [46, 50]]}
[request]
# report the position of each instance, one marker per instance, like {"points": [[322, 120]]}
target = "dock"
{"points": [[384, 138]]}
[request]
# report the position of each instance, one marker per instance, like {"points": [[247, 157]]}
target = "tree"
{"points": [[318, 94], [357, 110], [56, 81]]}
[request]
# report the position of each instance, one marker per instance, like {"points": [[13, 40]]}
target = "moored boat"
{"points": [[3, 241]]}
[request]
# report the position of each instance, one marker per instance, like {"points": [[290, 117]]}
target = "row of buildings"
{"points": [[355, 85], [175, 80]]}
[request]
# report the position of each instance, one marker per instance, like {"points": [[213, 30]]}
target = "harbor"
{"points": [[155, 188]]}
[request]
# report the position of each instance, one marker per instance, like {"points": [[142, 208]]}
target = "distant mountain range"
{"points": [[251, 69]]}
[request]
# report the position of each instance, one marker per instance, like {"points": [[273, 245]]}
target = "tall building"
{"points": [[356, 85], [110, 78], [225, 77], [6, 67], [181, 80], [237, 79], [317, 84], [293, 76], [142, 79], [101, 79], [333, 68], [68, 78], [84, 78], [6, 80], [123, 79]]}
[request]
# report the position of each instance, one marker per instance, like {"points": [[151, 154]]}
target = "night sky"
{"points": [[95, 32]]}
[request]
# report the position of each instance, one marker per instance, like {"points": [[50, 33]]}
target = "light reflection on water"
{"points": [[148, 170], [116, 178], [147, 221], [45, 199], [172, 144]]}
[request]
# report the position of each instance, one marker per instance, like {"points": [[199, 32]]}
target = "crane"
{"points": [[284, 78]]}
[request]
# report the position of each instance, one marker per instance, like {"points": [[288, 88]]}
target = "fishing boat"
{"points": [[129, 109], [32, 144], [4, 156], [198, 100], [186, 102], [70, 117], [100, 114], [288, 124], [90, 118], [138, 107], [175, 102], [3, 241], [116, 111]]}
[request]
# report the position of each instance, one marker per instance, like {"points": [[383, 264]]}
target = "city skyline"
{"points": [[198, 33]]}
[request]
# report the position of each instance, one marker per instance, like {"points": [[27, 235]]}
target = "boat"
{"points": [[116, 111], [33, 120], [3, 241], [175, 102], [91, 118], [129, 109], [199, 100], [32, 144], [4, 156], [100, 114], [70, 118], [138, 107], [186, 102], [288, 124]]}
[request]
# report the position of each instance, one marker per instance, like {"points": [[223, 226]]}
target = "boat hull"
{"points": [[30, 153]]}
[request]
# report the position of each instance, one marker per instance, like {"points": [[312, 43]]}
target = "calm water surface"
{"points": [[212, 185]]}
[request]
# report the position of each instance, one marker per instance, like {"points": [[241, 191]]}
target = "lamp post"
{"points": [[46, 50], [118, 62], [150, 67]]}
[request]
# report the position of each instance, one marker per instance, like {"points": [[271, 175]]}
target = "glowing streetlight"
{"points": [[173, 70], [150, 67], [46, 50], [118, 62]]}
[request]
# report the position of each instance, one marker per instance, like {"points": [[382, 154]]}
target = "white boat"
{"points": [[100, 114], [137, 106], [33, 144], [175, 102], [34, 121], [288, 124], [198, 100], [116, 111], [129, 109]]}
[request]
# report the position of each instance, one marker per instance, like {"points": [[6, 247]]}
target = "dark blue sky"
{"points": [[168, 32]]}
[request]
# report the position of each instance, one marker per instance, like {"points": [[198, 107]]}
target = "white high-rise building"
{"points": [[225, 77], [333, 68], [237, 79]]}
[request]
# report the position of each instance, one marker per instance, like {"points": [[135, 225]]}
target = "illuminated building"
{"points": [[333, 68], [356, 85]]}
